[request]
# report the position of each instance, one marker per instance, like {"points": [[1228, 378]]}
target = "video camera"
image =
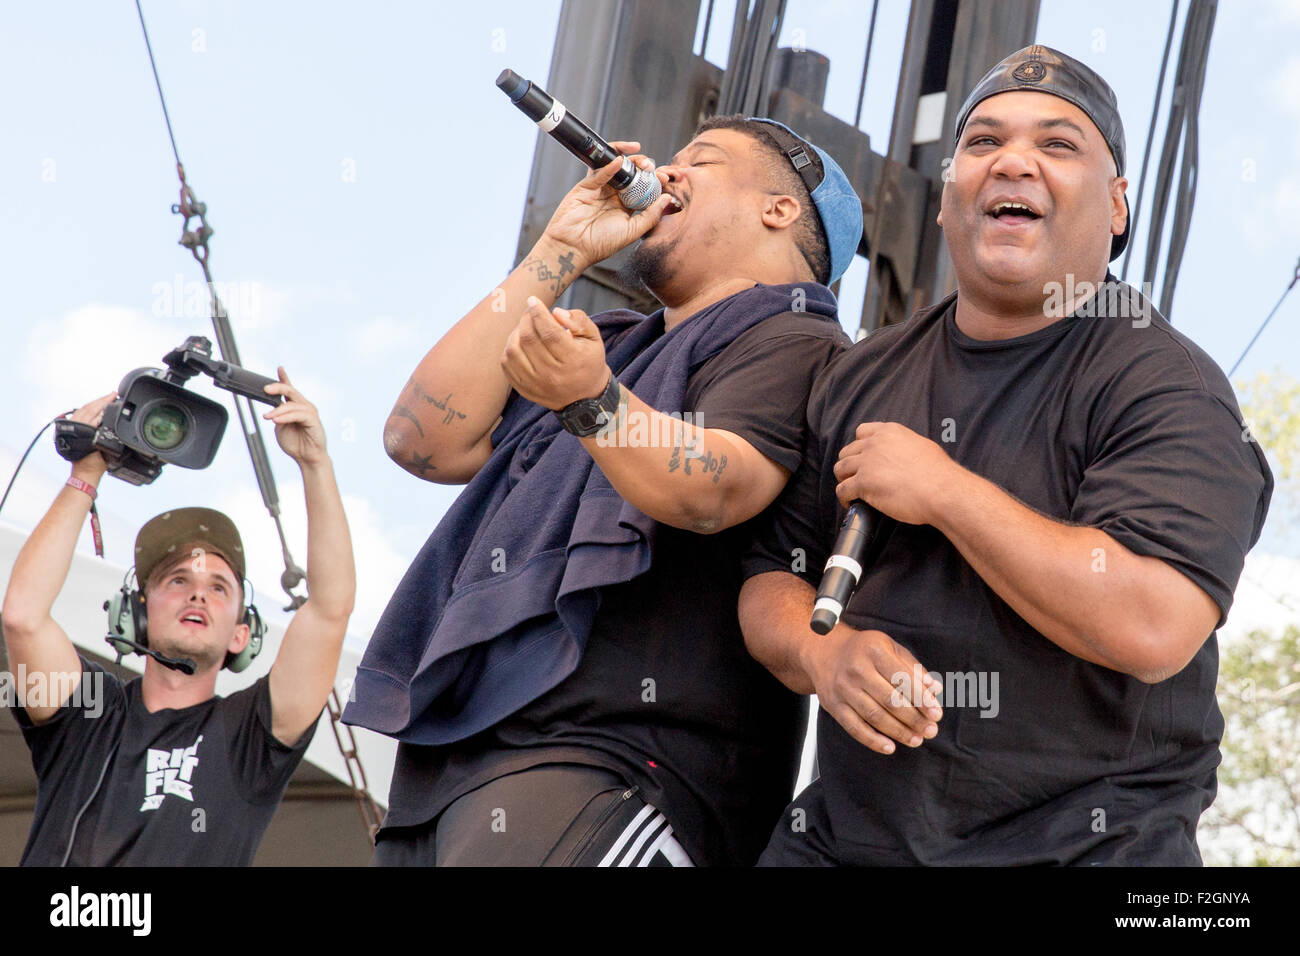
{"points": [[155, 421]]}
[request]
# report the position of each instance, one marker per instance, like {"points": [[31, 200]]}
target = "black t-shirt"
{"points": [[1093, 421], [666, 693], [191, 787]]}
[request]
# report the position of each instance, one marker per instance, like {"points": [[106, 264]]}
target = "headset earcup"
{"points": [[140, 617], [256, 631], [121, 621]]}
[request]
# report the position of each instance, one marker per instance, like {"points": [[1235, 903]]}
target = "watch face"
{"points": [[589, 415], [589, 418]]}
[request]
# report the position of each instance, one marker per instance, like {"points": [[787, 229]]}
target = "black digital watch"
{"points": [[587, 416]]}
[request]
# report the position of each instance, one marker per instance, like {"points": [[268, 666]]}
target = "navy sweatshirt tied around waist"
{"points": [[496, 608]]}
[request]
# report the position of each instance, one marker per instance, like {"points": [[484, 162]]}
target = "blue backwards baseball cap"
{"points": [[838, 206]]}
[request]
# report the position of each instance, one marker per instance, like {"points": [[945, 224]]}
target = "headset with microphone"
{"points": [[128, 633]]}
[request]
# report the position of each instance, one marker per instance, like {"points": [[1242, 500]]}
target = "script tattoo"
{"points": [[675, 461], [442, 404], [556, 276], [706, 461]]}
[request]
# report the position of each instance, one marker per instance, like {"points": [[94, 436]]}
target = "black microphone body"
{"points": [[182, 664], [844, 567], [636, 187]]}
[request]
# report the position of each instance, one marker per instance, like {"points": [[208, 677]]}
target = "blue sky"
{"points": [[366, 179]]}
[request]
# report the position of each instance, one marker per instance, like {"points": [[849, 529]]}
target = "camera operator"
{"points": [[159, 770]]}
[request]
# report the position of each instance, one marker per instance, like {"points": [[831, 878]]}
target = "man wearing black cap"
{"points": [[1067, 495], [159, 771], [562, 662]]}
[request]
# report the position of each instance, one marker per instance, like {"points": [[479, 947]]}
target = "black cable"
{"points": [[866, 59], [708, 21], [1294, 279], [158, 83], [1168, 154], [23, 461], [1185, 202], [1151, 131], [197, 242]]}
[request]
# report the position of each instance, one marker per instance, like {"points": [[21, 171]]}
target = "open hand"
{"points": [[591, 220], [297, 423], [874, 688]]}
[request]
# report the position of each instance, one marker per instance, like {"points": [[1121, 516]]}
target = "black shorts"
{"points": [[551, 815]]}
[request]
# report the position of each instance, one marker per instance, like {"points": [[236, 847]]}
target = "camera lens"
{"points": [[165, 426]]}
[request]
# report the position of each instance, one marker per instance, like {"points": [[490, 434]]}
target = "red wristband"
{"points": [[75, 482]]}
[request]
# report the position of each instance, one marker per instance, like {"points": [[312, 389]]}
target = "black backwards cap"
{"points": [[1044, 70]]}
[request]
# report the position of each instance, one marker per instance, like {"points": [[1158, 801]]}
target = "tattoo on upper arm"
{"points": [[401, 411], [442, 404], [422, 464], [555, 276]]}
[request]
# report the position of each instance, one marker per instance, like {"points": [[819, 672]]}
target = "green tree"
{"points": [[1270, 408], [1256, 818], [1270, 403]]}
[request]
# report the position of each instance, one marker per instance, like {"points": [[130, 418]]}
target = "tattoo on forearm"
{"points": [[555, 276], [706, 461], [722, 463], [401, 411], [422, 464], [442, 404]]}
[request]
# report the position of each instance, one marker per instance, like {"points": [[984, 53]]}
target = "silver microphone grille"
{"points": [[643, 190]]}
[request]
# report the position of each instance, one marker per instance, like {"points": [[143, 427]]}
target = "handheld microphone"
{"points": [[182, 664], [636, 187], [859, 532]]}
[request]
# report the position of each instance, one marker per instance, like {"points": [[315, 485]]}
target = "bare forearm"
{"points": [[673, 470], [1076, 586], [331, 571], [458, 390], [42, 565], [775, 609]]}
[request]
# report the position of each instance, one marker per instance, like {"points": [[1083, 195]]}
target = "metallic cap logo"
{"points": [[1031, 71]]}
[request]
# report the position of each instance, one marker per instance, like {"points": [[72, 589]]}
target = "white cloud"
{"points": [[85, 353], [379, 566], [1267, 596]]}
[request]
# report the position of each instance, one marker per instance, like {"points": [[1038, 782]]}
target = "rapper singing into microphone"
{"points": [[1026, 672], [563, 662], [159, 771]]}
